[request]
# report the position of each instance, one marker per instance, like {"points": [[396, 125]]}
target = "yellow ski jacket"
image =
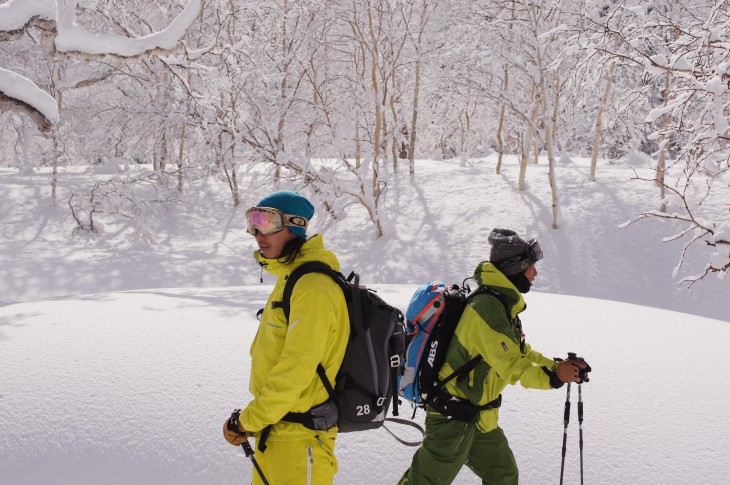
{"points": [[485, 330], [284, 357]]}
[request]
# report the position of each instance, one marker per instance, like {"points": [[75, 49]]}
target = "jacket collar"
{"points": [[312, 250], [486, 274]]}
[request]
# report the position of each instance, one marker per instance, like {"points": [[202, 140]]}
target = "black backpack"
{"points": [[367, 380]]}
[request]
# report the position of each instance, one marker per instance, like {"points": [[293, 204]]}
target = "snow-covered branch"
{"points": [[73, 38], [684, 53], [20, 94]]}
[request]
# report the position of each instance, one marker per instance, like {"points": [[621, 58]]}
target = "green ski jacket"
{"points": [[485, 330]]}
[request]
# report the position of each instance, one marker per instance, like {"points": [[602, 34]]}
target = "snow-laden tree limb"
{"points": [[73, 38], [20, 94], [16, 15]]}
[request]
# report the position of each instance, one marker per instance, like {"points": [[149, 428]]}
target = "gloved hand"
{"points": [[572, 370], [232, 430]]}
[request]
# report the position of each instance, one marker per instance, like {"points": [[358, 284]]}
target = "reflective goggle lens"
{"points": [[535, 251], [266, 221]]}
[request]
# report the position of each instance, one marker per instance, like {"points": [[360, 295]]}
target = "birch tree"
{"points": [[696, 115]]}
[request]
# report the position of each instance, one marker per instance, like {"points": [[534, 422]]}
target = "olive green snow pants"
{"points": [[450, 444]]}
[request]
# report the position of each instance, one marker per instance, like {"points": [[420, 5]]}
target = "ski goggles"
{"points": [[519, 263], [268, 220], [534, 251]]}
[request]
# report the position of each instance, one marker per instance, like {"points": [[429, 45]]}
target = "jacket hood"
{"points": [[487, 274]]}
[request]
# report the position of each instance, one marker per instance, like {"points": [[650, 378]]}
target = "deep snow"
{"points": [[121, 361], [133, 388]]}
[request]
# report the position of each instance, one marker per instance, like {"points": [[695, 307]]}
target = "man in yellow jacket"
{"points": [[285, 355], [489, 328]]}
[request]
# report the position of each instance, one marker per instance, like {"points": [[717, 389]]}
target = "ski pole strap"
{"points": [[407, 423]]}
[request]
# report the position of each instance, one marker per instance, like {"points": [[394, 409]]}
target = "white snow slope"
{"points": [[120, 364]]}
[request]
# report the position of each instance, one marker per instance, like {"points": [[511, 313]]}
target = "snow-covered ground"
{"points": [[120, 361]]}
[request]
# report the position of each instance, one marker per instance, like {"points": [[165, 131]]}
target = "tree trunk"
{"points": [[556, 105], [180, 163], [234, 178], [394, 137], [599, 122], [502, 108], [54, 163], [524, 155], [57, 150], [281, 125], [500, 143], [548, 138], [163, 149], [598, 135], [414, 122], [659, 175], [378, 109], [535, 143], [358, 145]]}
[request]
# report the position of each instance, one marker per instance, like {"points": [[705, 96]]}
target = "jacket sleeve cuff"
{"points": [[555, 383]]}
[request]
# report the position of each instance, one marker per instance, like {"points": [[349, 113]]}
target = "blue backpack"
{"points": [[432, 316]]}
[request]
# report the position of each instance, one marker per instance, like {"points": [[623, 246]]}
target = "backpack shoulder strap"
{"points": [[299, 271], [285, 303], [471, 364], [499, 296]]}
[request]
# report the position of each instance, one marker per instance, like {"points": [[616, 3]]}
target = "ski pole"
{"points": [[249, 453], [566, 419], [580, 429]]}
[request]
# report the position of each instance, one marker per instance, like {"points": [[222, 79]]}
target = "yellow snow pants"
{"points": [[298, 462]]}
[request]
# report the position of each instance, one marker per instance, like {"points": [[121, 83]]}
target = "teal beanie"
{"points": [[292, 203]]}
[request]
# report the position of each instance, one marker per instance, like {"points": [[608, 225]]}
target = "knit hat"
{"points": [[292, 203], [510, 253]]}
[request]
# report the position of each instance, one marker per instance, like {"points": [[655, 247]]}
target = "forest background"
{"points": [[335, 98]]}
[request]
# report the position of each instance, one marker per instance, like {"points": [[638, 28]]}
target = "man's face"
{"points": [[531, 273], [272, 245]]}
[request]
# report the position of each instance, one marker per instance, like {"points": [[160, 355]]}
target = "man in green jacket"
{"points": [[485, 329]]}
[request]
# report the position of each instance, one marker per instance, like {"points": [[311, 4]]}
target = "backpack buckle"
{"points": [[395, 360], [380, 401]]}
